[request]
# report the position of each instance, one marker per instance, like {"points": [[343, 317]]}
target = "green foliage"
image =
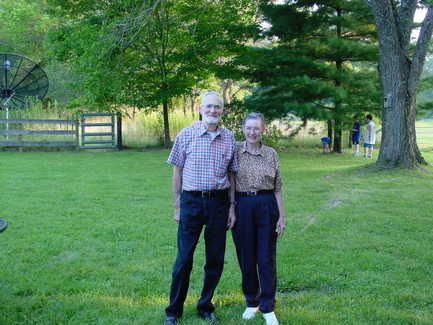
{"points": [[147, 130], [91, 240], [234, 118], [272, 136], [316, 62], [60, 78], [24, 25], [424, 101], [143, 54]]}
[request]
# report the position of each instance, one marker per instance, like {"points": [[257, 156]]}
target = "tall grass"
{"points": [[36, 110], [146, 131]]}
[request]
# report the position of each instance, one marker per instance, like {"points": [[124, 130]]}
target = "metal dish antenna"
{"points": [[20, 78]]}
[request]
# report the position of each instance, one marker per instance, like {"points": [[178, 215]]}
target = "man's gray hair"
{"points": [[212, 93], [256, 116]]}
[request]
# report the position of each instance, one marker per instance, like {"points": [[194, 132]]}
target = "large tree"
{"points": [[319, 63], [400, 69], [143, 53]]}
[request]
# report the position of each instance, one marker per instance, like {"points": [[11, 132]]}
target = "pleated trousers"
{"points": [[256, 242]]}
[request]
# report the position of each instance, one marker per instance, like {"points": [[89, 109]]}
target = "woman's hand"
{"points": [[280, 227]]}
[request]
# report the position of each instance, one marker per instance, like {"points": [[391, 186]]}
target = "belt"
{"points": [[253, 193], [210, 193]]}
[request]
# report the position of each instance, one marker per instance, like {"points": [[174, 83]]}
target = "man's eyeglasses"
{"points": [[217, 108]]}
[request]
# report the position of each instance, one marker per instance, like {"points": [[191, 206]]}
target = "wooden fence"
{"points": [[20, 133], [424, 136], [102, 139]]}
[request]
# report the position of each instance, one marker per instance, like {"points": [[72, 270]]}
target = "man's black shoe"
{"points": [[170, 321], [209, 317]]}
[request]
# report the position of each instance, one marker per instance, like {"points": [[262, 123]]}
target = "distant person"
{"points": [[325, 144], [260, 219], [370, 136], [356, 134], [204, 191]]}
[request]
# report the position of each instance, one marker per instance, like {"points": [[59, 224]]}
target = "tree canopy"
{"points": [[143, 53], [24, 26], [318, 61], [315, 59]]}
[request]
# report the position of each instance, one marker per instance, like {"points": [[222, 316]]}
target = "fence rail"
{"points": [[424, 136], [108, 136], [20, 133]]}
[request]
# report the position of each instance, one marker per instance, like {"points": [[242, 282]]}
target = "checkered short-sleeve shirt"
{"points": [[204, 158]]}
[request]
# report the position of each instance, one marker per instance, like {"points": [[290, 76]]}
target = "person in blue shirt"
{"points": [[356, 134], [325, 144]]}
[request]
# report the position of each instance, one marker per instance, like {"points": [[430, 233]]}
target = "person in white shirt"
{"points": [[370, 136]]}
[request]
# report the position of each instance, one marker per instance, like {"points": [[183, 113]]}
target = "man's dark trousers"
{"points": [[195, 212]]}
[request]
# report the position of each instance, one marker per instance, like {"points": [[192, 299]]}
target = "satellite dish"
{"points": [[20, 78]]}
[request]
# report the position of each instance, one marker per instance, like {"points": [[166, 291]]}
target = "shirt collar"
{"points": [[203, 130], [244, 148]]}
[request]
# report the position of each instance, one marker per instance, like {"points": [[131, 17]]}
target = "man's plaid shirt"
{"points": [[205, 160]]}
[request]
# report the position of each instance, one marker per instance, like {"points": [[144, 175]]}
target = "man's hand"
{"points": [[177, 214], [232, 211], [177, 190], [232, 217]]}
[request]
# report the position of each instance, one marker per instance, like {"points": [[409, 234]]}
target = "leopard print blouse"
{"points": [[257, 172]]}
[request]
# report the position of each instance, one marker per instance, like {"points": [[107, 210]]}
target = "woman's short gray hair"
{"points": [[255, 116]]}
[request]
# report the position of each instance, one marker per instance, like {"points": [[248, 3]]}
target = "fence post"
{"points": [[119, 131], [77, 135], [20, 137]]}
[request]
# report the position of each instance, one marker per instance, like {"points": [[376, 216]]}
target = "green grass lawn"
{"points": [[91, 240]]}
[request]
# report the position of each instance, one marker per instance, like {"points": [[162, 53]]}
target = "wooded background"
{"points": [[309, 60]]}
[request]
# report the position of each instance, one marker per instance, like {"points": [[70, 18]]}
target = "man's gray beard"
{"points": [[211, 120]]}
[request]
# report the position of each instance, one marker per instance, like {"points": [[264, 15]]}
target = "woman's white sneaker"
{"points": [[250, 312], [270, 318]]}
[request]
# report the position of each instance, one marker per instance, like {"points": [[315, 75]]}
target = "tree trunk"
{"points": [[337, 136], [167, 141], [165, 108], [305, 124], [350, 139], [399, 79], [337, 121], [398, 143], [226, 85], [329, 124]]}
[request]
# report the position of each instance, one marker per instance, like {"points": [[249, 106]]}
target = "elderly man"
{"points": [[203, 191]]}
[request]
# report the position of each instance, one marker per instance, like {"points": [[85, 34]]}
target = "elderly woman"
{"points": [[260, 219]]}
